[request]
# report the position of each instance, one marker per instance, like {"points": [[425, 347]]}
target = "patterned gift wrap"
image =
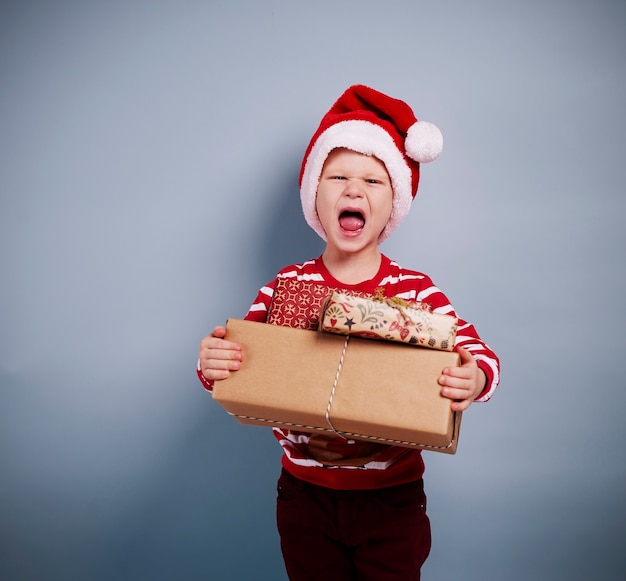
{"points": [[298, 303], [389, 319]]}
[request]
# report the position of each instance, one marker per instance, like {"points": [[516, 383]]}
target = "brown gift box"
{"points": [[357, 388]]}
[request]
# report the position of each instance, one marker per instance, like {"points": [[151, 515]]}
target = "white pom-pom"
{"points": [[424, 142]]}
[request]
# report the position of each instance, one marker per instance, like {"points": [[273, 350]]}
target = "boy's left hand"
{"points": [[462, 384]]}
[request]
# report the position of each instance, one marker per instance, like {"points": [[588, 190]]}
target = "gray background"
{"points": [[149, 154]]}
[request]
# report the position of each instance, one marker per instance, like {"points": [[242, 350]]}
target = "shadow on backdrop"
{"points": [[288, 238], [210, 513]]}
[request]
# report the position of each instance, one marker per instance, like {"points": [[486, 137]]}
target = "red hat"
{"points": [[369, 122]]}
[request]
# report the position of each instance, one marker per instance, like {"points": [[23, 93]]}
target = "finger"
{"points": [[216, 374], [461, 405], [221, 349], [455, 376], [461, 398], [223, 358], [456, 387], [455, 392], [208, 365], [217, 344], [218, 368]]}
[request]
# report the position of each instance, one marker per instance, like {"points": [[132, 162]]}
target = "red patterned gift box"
{"points": [[298, 304]]}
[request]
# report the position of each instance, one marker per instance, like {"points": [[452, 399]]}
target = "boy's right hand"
{"points": [[219, 357]]}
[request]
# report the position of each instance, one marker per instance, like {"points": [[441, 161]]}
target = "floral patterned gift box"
{"points": [[391, 319]]}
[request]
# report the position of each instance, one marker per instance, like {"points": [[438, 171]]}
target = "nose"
{"points": [[353, 188]]}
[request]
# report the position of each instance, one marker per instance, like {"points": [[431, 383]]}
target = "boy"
{"points": [[346, 509]]}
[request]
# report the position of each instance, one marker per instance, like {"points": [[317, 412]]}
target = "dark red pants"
{"points": [[350, 535]]}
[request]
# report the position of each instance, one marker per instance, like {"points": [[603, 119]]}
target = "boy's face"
{"points": [[354, 200]]}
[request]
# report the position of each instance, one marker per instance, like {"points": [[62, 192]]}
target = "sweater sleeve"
{"points": [[467, 337], [260, 306], [486, 359]]}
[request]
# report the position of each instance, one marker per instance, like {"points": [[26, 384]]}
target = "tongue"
{"points": [[351, 222]]}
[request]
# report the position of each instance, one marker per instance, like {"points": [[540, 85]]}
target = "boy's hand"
{"points": [[462, 384], [219, 357]]}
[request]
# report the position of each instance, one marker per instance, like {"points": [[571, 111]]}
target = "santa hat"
{"points": [[369, 122]]}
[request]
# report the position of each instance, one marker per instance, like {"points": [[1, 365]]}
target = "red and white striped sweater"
{"points": [[347, 464]]}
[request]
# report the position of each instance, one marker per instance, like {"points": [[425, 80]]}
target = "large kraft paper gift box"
{"points": [[358, 388]]}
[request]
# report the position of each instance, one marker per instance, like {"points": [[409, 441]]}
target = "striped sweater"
{"points": [[338, 463]]}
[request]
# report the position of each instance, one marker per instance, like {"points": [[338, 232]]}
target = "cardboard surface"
{"points": [[383, 391]]}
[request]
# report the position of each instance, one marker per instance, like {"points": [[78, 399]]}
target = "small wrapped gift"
{"points": [[298, 303], [388, 318]]}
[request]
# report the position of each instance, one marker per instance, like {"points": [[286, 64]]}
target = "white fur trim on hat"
{"points": [[369, 139]]}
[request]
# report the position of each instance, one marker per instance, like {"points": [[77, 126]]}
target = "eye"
{"points": [[338, 177]]}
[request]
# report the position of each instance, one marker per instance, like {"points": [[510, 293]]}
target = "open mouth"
{"points": [[352, 221]]}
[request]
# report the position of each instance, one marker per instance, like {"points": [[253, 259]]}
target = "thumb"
{"points": [[219, 332], [466, 357]]}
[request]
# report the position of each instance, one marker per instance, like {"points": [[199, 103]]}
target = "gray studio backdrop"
{"points": [[149, 154]]}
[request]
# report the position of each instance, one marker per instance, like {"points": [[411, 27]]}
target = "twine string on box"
{"points": [[332, 391], [346, 435]]}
